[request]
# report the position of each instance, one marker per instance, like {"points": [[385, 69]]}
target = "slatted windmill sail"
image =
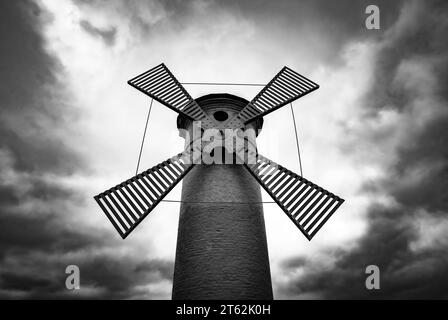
{"points": [[308, 205]]}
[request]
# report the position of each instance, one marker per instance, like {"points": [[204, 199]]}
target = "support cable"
{"points": [[217, 202], [297, 139], [144, 135], [223, 84]]}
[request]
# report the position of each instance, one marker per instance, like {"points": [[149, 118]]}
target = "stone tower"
{"points": [[221, 247]]}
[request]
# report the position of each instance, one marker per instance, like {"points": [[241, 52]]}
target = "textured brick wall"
{"points": [[221, 248]]}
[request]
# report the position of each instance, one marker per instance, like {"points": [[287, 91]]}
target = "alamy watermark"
{"points": [[373, 280], [219, 146], [373, 18], [73, 281]]}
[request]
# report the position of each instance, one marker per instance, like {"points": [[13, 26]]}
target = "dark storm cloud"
{"points": [[406, 272], [421, 38], [430, 150], [38, 237], [107, 35], [333, 23], [103, 276], [120, 279], [26, 104]]}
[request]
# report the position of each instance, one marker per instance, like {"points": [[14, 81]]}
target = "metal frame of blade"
{"points": [[315, 219], [294, 84]]}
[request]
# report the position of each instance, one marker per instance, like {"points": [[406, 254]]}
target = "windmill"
{"points": [[221, 248]]}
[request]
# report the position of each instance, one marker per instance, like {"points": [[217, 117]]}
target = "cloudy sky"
{"points": [[375, 133]]}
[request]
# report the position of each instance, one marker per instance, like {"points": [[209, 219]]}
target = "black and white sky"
{"points": [[375, 133]]}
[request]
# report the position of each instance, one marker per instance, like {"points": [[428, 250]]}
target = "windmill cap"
{"points": [[219, 101]]}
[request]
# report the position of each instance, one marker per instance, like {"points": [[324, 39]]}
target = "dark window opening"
{"points": [[221, 115]]}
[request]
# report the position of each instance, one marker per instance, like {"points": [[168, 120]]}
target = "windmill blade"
{"points": [[284, 88], [160, 84], [306, 204], [128, 203]]}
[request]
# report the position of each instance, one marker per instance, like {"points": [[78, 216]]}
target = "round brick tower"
{"points": [[221, 247]]}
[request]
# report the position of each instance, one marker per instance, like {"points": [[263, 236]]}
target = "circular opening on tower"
{"points": [[221, 115]]}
